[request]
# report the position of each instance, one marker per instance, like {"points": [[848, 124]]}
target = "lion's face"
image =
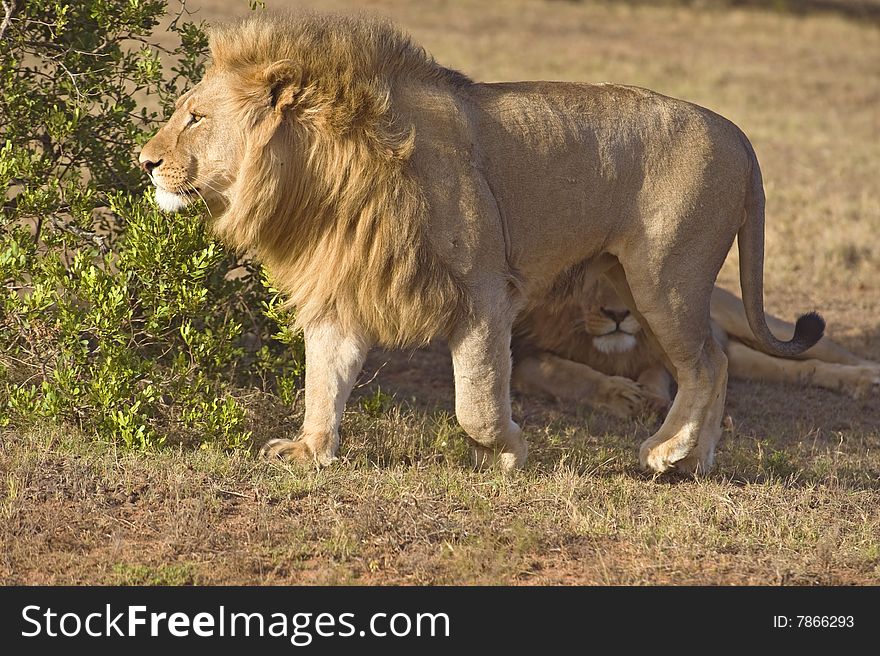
{"points": [[608, 320], [197, 152]]}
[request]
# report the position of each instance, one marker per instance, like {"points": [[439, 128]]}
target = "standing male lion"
{"points": [[394, 200]]}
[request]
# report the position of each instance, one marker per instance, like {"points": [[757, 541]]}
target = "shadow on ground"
{"points": [[767, 417], [783, 413]]}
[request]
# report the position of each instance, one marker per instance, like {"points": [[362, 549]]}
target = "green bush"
{"points": [[114, 317]]}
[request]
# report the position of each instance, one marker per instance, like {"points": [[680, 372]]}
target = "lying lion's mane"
{"points": [[556, 325]]}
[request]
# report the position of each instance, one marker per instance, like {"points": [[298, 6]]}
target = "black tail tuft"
{"points": [[808, 330]]}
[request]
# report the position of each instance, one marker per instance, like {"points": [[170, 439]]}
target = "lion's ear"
{"points": [[283, 82]]}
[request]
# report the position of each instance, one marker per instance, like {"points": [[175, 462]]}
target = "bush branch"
{"points": [[8, 10], [84, 235]]}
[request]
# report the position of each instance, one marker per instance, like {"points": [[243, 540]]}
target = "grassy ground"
{"points": [[795, 498], [403, 507]]}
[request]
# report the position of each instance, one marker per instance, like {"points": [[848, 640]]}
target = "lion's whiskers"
{"points": [[211, 187], [192, 187]]}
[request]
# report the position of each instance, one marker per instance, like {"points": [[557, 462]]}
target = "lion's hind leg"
{"points": [[686, 441], [728, 313], [856, 380]]}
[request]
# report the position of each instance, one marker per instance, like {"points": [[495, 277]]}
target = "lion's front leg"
{"points": [[333, 362], [481, 361], [547, 374]]}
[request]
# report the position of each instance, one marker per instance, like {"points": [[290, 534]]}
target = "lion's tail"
{"points": [[809, 327]]}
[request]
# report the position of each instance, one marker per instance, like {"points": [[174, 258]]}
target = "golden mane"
{"points": [[323, 194]]}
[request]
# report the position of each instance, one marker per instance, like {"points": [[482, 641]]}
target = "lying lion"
{"points": [[586, 347], [395, 200]]}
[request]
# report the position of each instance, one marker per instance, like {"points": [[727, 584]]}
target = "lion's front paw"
{"points": [[507, 460], [297, 451], [289, 450], [622, 397], [657, 403]]}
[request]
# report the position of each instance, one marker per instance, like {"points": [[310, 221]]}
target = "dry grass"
{"points": [[403, 507], [796, 497]]}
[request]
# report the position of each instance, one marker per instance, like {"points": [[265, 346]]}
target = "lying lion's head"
{"points": [[608, 320]]}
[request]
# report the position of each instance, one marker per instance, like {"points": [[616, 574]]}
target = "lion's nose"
{"points": [[615, 315], [148, 165]]}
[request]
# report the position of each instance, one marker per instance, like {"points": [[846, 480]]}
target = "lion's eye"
{"points": [[194, 119]]}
